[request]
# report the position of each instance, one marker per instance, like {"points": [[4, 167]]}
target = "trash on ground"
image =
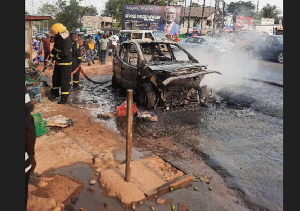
{"points": [[105, 116], [59, 121], [147, 116], [122, 109], [202, 178]]}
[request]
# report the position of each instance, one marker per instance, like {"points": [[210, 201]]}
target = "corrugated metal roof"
{"points": [[197, 11], [37, 18]]}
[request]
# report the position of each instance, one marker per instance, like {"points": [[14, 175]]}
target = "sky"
{"points": [[32, 6]]}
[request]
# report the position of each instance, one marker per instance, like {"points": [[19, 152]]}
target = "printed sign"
{"points": [[150, 17], [267, 21], [243, 23], [228, 22]]}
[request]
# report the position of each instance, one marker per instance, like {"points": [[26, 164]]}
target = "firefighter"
{"points": [[62, 54], [76, 60]]}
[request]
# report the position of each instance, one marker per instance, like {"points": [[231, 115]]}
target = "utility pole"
{"points": [[223, 11], [202, 17], [184, 13], [187, 34]]}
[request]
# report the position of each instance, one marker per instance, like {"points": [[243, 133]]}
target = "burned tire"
{"points": [[114, 83], [146, 96], [280, 57]]}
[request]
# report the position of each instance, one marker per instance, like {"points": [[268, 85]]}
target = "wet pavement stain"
{"points": [[92, 197]]}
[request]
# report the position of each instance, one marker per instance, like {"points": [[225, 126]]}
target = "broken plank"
{"points": [[173, 183]]}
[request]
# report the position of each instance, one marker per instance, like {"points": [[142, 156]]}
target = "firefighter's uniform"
{"points": [[76, 60], [62, 54]]}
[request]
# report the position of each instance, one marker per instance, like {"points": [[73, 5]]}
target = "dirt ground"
{"points": [[90, 142]]}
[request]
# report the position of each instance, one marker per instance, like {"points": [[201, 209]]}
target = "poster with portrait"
{"points": [[228, 22], [152, 17]]}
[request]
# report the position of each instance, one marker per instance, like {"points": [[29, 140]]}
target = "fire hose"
{"points": [[81, 70], [72, 73]]}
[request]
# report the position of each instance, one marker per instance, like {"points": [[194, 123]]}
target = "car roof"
{"points": [[146, 41]]}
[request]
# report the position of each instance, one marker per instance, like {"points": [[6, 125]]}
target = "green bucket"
{"points": [[37, 118]]}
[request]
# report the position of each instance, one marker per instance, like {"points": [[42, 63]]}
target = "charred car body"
{"points": [[167, 73]]}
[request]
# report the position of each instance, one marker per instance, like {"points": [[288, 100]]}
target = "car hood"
{"points": [[174, 67]]}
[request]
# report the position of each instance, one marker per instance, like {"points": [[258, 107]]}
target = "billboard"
{"points": [[228, 22], [151, 17], [267, 21], [243, 23]]}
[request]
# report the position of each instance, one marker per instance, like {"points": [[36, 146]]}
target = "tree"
{"points": [[242, 8], [270, 11], [26, 13]]}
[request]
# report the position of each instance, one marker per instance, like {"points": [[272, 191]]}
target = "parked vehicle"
{"points": [[203, 43], [268, 47], [147, 35], [159, 76]]}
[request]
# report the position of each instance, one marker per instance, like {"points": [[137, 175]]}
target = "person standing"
{"points": [[97, 37], [30, 139], [90, 46], [122, 37], [103, 47], [37, 47], [169, 27], [46, 47], [62, 54], [76, 60], [114, 39]]}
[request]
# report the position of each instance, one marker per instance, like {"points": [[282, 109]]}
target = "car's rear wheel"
{"points": [[146, 96], [251, 53], [280, 57]]}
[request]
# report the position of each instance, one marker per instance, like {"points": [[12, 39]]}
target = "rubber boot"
{"points": [[75, 86], [63, 99], [52, 97]]}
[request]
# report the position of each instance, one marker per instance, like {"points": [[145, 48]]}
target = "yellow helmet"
{"points": [[58, 28]]}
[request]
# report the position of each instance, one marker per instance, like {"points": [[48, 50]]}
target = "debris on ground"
{"points": [[202, 178], [59, 121], [182, 207], [122, 109], [147, 116], [160, 201], [106, 116], [93, 182]]}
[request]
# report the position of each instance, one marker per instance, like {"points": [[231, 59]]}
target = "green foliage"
{"points": [[242, 8], [69, 13], [26, 13], [270, 11]]}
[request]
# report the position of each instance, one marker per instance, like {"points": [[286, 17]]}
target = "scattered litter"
{"points": [[152, 208], [59, 121], [202, 178], [105, 116], [160, 200], [122, 109], [147, 116], [93, 182]]}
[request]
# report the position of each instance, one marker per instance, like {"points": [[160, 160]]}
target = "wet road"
{"points": [[241, 137]]}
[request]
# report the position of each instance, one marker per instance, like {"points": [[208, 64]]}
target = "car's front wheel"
{"points": [[114, 83], [280, 57], [146, 96]]}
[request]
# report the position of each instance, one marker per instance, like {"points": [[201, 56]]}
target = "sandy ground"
{"points": [[90, 142]]}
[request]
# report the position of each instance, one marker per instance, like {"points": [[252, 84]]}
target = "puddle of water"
{"points": [[89, 200], [136, 154]]}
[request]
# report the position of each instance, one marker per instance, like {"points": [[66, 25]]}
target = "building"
{"points": [[97, 23], [194, 22], [28, 33]]}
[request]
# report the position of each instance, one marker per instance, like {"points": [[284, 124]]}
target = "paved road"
{"points": [[242, 137]]}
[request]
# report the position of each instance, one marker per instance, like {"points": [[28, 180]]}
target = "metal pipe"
{"points": [[129, 135]]}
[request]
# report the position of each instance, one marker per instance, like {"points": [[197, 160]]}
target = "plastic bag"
{"points": [[122, 109], [41, 58]]}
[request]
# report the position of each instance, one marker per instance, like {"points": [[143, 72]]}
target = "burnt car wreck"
{"points": [[159, 73]]}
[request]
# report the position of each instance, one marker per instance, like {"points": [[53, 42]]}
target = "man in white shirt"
{"points": [[114, 43]]}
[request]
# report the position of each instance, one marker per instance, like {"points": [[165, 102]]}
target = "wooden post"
{"points": [[129, 135]]}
